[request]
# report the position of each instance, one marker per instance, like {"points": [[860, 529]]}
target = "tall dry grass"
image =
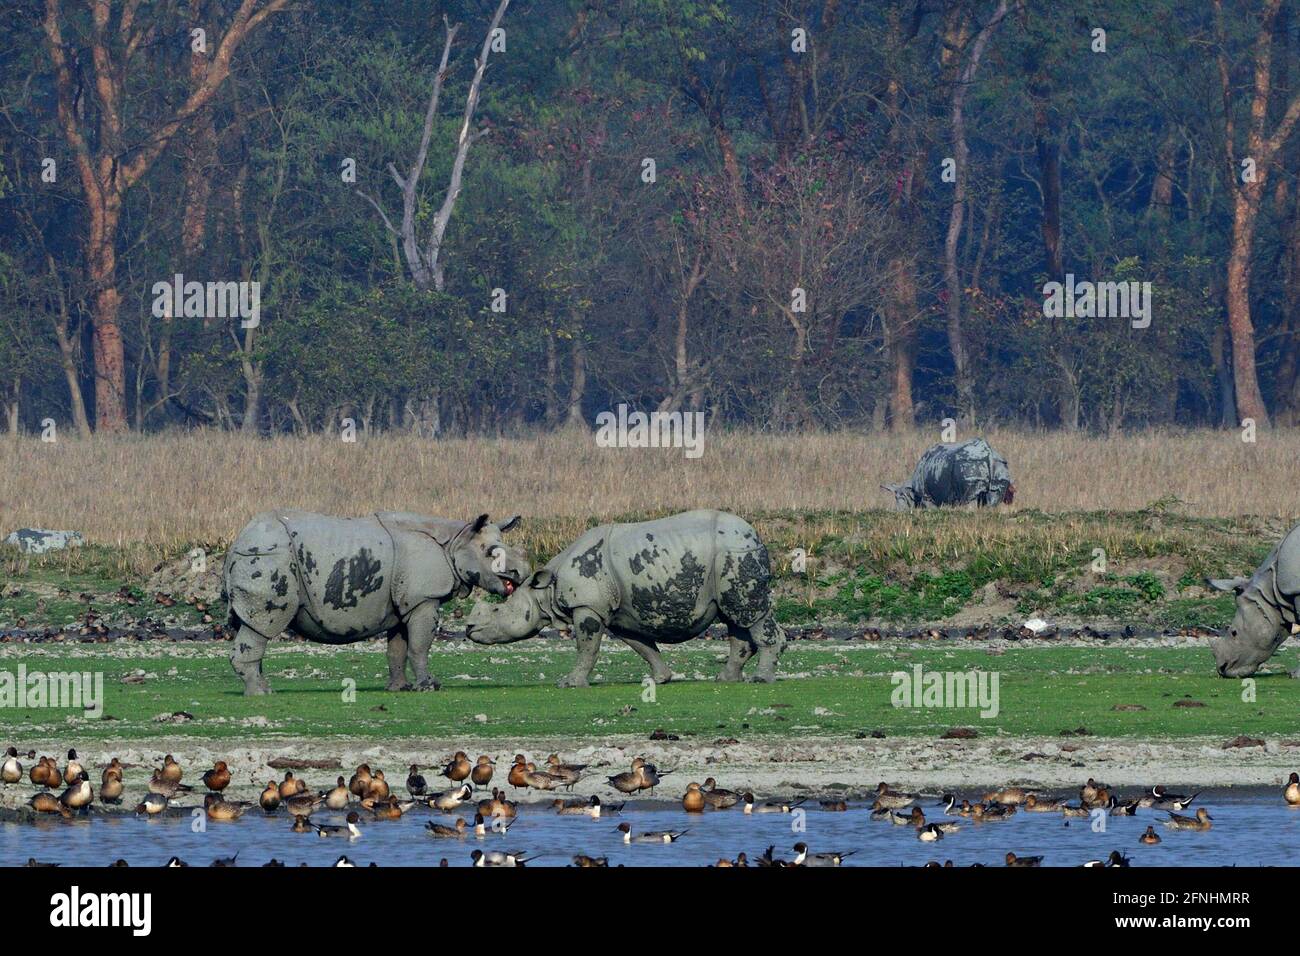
{"points": [[170, 490]]}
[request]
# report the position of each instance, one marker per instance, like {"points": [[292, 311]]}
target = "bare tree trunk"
{"points": [[1223, 376], [578, 385]]}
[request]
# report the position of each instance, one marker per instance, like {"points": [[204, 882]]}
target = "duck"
{"points": [[1291, 794], [929, 833], [772, 806], [166, 788], [152, 805], [1115, 859], [174, 863], [718, 798], [569, 773], [541, 779], [896, 817], [302, 825], [114, 769], [1013, 860], [110, 789], [1126, 809], [449, 800], [303, 804], [693, 799], [652, 836], [986, 814], [769, 859], [343, 863], [1092, 792], [377, 788], [1073, 812], [498, 806], [481, 775], [517, 770], [458, 768], [1013, 796], [581, 860], [269, 799], [803, 858], [218, 778], [651, 776], [917, 819], [338, 797], [583, 808], [171, 770], [1202, 820], [392, 808], [440, 830], [1163, 800], [80, 794], [500, 825], [892, 799], [360, 780], [46, 802], [834, 805], [498, 858], [1150, 837], [949, 804], [72, 772], [291, 786], [415, 782], [629, 781], [45, 773], [1036, 804], [11, 771], [217, 808], [349, 828]]}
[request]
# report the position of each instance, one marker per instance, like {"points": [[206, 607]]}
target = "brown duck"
{"points": [[517, 770], [481, 775], [270, 797], [458, 768], [218, 778], [693, 799], [360, 780]]}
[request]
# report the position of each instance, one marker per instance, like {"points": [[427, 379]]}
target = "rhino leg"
{"points": [[649, 652], [587, 631], [742, 648], [421, 627], [397, 647], [250, 648], [770, 639]]}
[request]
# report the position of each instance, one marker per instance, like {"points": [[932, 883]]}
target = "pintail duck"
{"points": [[1150, 838], [416, 785], [171, 770], [226, 860], [581, 808], [1202, 820], [652, 836], [1013, 860], [152, 805], [1125, 809], [166, 788], [303, 804], [174, 863], [500, 825], [349, 828], [570, 773], [629, 781], [270, 797], [439, 830], [343, 863], [458, 768], [72, 772], [1115, 859], [540, 779], [1075, 812], [580, 860], [377, 788], [770, 859], [339, 797], [1011, 796], [498, 806], [718, 798], [893, 799], [498, 858], [449, 800], [1291, 794], [929, 833], [110, 790], [1036, 804], [1163, 800], [693, 799], [772, 806], [991, 814], [218, 778], [803, 858], [12, 770], [481, 775], [217, 808], [917, 819], [517, 770], [80, 794], [949, 802], [896, 817], [360, 781]]}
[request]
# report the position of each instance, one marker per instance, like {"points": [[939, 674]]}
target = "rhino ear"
{"points": [[510, 525], [478, 524], [542, 579], [1235, 585]]}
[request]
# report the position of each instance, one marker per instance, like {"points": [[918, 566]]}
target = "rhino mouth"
{"points": [[508, 584]]}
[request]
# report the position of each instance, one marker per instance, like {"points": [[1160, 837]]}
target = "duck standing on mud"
{"points": [[1291, 794], [12, 770]]}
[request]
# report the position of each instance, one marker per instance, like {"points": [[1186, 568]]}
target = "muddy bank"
{"points": [[839, 767]]}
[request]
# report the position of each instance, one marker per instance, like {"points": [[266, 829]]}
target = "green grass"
{"points": [[835, 689]]}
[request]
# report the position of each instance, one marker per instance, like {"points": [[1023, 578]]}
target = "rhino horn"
{"points": [[1236, 585]]}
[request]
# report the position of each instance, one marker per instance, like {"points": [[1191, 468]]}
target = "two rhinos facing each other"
{"points": [[341, 580]]}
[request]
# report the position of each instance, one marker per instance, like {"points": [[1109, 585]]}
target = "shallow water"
{"points": [[1251, 828]]}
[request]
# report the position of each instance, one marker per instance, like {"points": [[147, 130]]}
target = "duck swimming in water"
{"points": [[718, 798], [349, 829], [1202, 820], [1150, 837], [893, 799], [498, 858], [693, 799], [440, 830], [1291, 794], [269, 799], [415, 782], [772, 806], [1013, 860], [803, 858], [653, 836], [449, 800]]}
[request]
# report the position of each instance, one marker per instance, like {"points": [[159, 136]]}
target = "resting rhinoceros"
{"points": [[650, 582], [961, 473], [341, 580], [1267, 611]]}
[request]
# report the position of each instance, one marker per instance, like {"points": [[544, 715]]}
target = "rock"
{"points": [[960, 733], [42, 541], [296, 763], [1243, 741]]}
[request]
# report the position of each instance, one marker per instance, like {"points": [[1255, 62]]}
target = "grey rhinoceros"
{"points": [[341, 580], [663, 581], [958, 473], [1267, 611]]}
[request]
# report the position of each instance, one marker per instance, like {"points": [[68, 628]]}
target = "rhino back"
{"points": [[1287, 561], [345, 568]]}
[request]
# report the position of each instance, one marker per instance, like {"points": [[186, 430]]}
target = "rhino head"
{"points": [[904, 496], [1256, 633], [522, 614], [481, 559]]}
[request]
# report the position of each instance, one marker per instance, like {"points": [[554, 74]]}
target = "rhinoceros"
{"points": [[650, 582], [341, 580], [1267, 611], [960, 473]]}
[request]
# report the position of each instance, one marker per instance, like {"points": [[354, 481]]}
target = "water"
{"points": [[1251, 828]]}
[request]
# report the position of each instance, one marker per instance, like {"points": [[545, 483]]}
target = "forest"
{"points": [[489, 217]]}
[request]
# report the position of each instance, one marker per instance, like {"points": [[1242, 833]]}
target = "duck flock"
{"points": [[366, 797]]}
